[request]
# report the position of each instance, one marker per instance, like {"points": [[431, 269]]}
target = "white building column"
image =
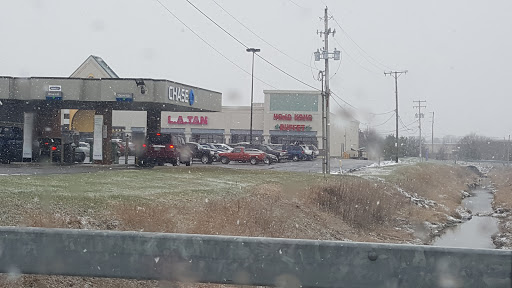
{"points": [[320, 142], [227, 138], [266, 139]]}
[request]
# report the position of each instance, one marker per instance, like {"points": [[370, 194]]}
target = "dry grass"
{"points": [[360, 203], [149, 217], [441, 183], [340, 208], [257, 215], [500, 176]]}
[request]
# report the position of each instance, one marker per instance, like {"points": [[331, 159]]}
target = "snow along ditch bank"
{"points": [[428, 232]]}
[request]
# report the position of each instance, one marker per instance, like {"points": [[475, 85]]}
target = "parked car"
{"points": [[240, 154], [53, 146], [203, 154], [121, 147], [11, 144], [272, 158], [224, 147], [315, 150], [309, 153], [215, 150], [279, 155], [161, 148], [296, 152], [84, 147]]}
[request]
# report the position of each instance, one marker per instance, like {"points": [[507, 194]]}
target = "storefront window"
{"points": [[208, 138], [237, 138], [291, 139]]}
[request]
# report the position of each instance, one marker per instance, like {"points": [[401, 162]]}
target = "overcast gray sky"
{"points": [[458, 52]]}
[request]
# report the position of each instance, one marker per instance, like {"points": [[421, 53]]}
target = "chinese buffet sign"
{"points": [[293, 127]]}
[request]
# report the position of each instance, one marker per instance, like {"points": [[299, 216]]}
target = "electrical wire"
{"points": [[211, 46], [345, 109], [384, 121], [332, 92], [336, 71], [354, 60], [403, 125], [377, 114], [258, 55], [296, 4], [357, 45], [261, 38]]}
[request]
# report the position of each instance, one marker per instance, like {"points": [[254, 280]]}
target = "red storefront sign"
{"points": [[291, 127], [191, 120], [296, 117]]}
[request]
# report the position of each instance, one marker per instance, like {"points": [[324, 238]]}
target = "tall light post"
{"points": [[253, 51]]}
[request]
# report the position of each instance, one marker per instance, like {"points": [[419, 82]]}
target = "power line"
{"points": [[261, 38], [332, 92], [337, 70], [384, 122], [296, 4], [357, 45], [211, 46], [377, 114], [241, 43], [405, 126], [352, 58]]}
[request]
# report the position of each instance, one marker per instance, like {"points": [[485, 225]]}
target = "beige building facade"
{"points": [[285, 117]]}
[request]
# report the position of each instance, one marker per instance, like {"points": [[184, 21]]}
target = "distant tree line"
{"points": [[469, 147]]}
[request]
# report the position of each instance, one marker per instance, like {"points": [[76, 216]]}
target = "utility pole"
{"points": [[432, 152], [396, 75], [324, 159], [508, 151], [253, 51], [419, 116], [326, 55]]}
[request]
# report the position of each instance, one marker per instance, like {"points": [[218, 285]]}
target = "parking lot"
{"points": [[314, 166]]}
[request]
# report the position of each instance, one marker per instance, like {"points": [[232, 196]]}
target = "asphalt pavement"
{"points": [[314, 166]]}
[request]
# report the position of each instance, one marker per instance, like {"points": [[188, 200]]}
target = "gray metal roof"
{"points": [[105, 66]]}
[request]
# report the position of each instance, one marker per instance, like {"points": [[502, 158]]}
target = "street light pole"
{"points": [[253, 51]]}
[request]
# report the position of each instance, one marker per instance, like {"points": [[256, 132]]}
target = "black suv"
{"points": [[163, 148], [205, 155]]}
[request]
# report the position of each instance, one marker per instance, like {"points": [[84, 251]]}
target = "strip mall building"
{"points": [[141, 105], [284, 117]]}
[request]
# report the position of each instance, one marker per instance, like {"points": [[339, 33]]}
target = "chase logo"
{"points": [[191, 97]]}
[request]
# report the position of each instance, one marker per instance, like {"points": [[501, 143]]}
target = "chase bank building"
{"points": [[95, 103]]}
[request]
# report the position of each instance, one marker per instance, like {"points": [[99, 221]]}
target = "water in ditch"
{"points": [[476, 232]]}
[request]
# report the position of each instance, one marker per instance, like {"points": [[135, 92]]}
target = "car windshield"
{"points": [[264, 143]]}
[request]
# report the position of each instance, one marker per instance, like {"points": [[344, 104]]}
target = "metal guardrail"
{"points": [[248, 261]]}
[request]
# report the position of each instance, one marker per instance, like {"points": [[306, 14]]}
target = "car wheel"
{"points": [[224, 160], [254, 161], [295, 158], [266, 161], [205, 160], [176, 161]]}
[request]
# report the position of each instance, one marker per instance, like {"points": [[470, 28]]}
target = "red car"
{"points": [[241, 155]]}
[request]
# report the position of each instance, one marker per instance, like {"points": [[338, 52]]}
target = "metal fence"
{"points": [[247, 261]]}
